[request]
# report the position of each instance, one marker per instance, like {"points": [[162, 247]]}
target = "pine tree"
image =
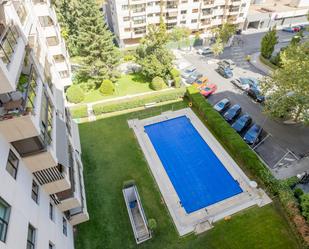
{"points": [[268, 43], [95, 43]]}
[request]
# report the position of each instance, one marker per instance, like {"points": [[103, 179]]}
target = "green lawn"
{"points": [[111, 155], [127, 84]]}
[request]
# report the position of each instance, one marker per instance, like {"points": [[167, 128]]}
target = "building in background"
{"points": [[129, 19], [264, 14], [42, 194]]}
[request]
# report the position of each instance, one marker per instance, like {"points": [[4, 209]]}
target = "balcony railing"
{"points": [[49, 175], [20, 102], [8, 42]]}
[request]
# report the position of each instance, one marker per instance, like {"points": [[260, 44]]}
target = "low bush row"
{"points": [[248, 160], [138, 101], [79, 111]]}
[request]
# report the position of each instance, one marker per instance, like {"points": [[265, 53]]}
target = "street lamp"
{"points": [[288, 94]]}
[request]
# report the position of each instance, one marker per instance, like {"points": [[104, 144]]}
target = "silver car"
{"points": [[187, 72]]}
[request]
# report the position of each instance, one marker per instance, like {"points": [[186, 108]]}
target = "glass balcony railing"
{"points": [[8, 42], [21, 101]]}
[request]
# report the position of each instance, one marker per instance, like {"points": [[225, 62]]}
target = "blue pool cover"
{"points": [[196, 173]]}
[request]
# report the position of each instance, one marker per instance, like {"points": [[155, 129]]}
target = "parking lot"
{"points": [[281, 145]]}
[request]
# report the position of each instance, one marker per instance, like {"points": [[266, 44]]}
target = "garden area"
{"points": [[115, 157]]}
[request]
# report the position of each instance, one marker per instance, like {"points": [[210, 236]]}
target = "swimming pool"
{"points": [[197, 175]]}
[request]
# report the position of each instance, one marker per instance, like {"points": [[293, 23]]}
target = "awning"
{"points": [[62, 147]]}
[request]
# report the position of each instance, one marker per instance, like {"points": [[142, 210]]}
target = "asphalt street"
{"points": [[283, 137]]}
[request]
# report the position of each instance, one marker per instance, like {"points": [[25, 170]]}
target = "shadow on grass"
{"points": [[139, 78]]}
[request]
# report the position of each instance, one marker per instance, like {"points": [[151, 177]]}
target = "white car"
{"points": [[187, 72], [204, 51], [227, 63]]}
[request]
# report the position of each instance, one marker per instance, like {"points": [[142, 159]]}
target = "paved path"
{"points": [[130, 96], [256, 62]]}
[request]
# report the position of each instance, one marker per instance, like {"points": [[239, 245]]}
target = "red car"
{"points": [[208, 90]]}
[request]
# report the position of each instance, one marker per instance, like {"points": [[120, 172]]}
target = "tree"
{"points": [[75, 94], [291, 77], [152, 224], [218, 47], [157, 83], [107, 87], [178, 34], [100, 56], [268, 43], [304, 203], [152, 54], [296, 39], [176, 77], [68, 13], [225, 32]]}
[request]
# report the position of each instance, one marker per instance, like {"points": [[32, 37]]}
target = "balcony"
{"points": [[19, 109], [40, 148], [12, 53]]}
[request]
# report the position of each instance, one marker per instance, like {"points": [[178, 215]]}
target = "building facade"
{"points": [[42, 193], [128, 19], [264, 14]]}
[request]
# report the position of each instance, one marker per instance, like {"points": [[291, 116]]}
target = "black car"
{"points": [[242, 123], [222, 105], [232, 113], [253, 134], [193, 77], [255, 93]]}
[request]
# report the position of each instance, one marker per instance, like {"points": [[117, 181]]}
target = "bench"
{"points": [[148, 105]]}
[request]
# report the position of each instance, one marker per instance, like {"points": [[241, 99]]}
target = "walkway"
{"points": [[255, 61]]}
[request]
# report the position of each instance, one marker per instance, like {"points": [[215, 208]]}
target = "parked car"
{"points": [[193, 77], [227, 63], [252, 136], [226, 72], [204, 51], [242, 123], [256, 94], [232, 113], [291, 29], [208, 90], [187, 72], [242, 83], [222, 105], [201, 82]]}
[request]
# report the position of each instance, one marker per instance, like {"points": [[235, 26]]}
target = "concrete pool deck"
{"points": [[200, 220]]}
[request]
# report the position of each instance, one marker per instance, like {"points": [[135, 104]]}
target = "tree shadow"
{"points": [[140, 78]]}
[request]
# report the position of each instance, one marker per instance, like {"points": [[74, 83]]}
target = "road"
{"points": [[283, 137]]}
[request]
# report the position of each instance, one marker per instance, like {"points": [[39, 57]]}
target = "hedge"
{"points": [[268, 63], [79, 111], [138, 101], [247, 159]]}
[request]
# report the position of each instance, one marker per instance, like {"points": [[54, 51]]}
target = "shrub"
{"points": [[157, 83], [79, 111], [176, 77], [152, 224], [276, 59], [138, 101], [129, 57], [298, 192], [75, 94], [107, 87], [304, 203]]}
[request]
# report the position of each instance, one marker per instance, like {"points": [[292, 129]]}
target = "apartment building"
{"points": [[128, 19], [42, 194], [264, 14]]}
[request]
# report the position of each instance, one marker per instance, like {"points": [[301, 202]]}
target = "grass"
{"points": [[125, 85], [268, 63], [111, 155]]}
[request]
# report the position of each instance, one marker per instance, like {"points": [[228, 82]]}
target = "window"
{"points": [[31, 237], [184, 1], [51, 245], [195, 1], [126, 18], [127, 30], [194, 21], [12, 164], [5, 210], [183, 22], [150, 15], [183, 12], [125, 7], [241, 14], [64, 226], [51, 211], [35, 192], [194, 10], [150, 4]]}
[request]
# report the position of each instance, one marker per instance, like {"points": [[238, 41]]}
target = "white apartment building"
{"points": [[42, 194], [128, 19], [264, 14]]}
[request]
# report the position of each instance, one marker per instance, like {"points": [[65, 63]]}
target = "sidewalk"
{"points": [[255, 61]]}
